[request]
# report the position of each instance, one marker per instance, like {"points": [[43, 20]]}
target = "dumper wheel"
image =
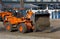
{"points": [[35, 29], [4, 18], [8, 26], [22, 28]]}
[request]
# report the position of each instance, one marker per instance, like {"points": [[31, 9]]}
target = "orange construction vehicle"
{"points": [[24, 23]]}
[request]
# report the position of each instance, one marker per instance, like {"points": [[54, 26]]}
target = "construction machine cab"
{"points": [[19, 13]]}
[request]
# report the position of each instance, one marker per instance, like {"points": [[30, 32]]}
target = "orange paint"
{"points": [[8, 27], [2, 14], [29, 14], [20, 28]]}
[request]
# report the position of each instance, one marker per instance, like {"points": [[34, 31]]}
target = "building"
{"points": [[53, 6]]}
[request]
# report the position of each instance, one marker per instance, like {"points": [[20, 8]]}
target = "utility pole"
{"points": [[1, 3], [21, 3]]}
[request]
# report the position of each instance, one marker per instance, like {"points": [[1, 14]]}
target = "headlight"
{"points": [[16, 10]]}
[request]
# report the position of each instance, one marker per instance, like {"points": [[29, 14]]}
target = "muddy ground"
{"points": [[55, 34]]}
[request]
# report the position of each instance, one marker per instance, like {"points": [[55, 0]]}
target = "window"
{"points": [[18, 0], [35, 8], [54, 6], [46, 0], [0, 6], [14, 0], [49, 0], [57, 6], [58, 0], [38, 0], [3, 0], [54, 15], [59, 14], [30, 0], [54, 0], [8, 0], [51, 6], [42, 6]]}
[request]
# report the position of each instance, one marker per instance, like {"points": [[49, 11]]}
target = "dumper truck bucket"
{"points": [[42, 21]]}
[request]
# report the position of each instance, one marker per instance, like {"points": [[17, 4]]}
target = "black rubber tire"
{"points": [[4, 17], [35, 29], [24, 27], [11, 28]]}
